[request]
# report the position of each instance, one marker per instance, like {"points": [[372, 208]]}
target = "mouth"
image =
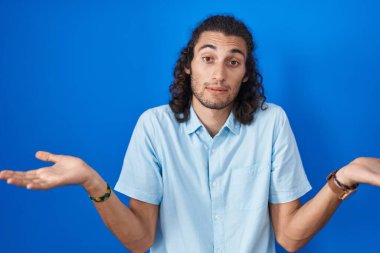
{"points": [[217, 90]]}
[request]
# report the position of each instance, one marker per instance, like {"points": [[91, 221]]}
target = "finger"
{"points": [[39, 186], [18, 174], [30, 183], [5, 174], [36, 184], [18, 182], [47, 157]]}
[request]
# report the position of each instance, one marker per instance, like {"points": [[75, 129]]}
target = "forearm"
{"points": [[307, 220], [122, 221]]}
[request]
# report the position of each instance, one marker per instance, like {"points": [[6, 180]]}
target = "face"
{"points": [[217, 69]]}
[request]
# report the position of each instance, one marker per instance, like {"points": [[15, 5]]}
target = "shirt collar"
{"points": [[193, 123], [232, 124]]}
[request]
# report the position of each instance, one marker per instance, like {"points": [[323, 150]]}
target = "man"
{"points": [[218, 170]]}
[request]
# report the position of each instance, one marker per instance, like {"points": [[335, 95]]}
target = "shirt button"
{"points": [[218, 251], [217, 217], [212, 150], [214, 184]]}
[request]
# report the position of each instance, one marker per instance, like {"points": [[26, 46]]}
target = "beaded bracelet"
{"points": [[104, 197]]}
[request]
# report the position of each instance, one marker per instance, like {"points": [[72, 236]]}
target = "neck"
{"points": [[212, 119]]}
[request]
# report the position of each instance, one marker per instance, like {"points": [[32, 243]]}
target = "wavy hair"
{"points": [[251, 95]]}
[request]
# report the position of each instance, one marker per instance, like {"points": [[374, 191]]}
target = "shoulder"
{"points": [[159, 112], [271, 112], [157, 116], [271, 107]]}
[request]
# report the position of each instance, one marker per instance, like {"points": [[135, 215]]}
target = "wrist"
{"points": [[341, 186], [94, 185], [344, 177]]}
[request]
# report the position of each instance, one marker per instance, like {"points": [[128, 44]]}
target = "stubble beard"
{"points": [[207, 103]]}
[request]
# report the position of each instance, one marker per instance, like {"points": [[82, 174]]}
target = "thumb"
{"points": [[47, 157]]}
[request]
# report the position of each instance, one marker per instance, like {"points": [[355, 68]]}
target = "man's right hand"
{"points": [[66, 170], [135, 227]]}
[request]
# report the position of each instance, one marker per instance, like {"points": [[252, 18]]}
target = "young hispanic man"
{"points": [[216, 170]]}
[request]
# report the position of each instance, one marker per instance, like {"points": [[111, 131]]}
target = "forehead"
{"points": [[221, 41]]}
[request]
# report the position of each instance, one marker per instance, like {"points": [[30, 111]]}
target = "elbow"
{"points": [[290, 248], [141, 245], [291, 245], [139, 241]]}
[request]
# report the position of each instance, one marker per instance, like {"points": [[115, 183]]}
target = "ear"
{"points": [[187, 70]]}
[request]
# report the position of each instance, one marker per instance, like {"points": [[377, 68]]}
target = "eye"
{"points": [[234, 63], [207, 59]]}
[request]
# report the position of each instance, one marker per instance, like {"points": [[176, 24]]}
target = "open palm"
{"points": [[67, 170]]}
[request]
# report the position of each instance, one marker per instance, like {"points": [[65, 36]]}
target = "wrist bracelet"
{"points": [[341, 190], [344, 186], [102, 198]]}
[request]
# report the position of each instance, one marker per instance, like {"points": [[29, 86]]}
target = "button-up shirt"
{"points": [[213, 192]]}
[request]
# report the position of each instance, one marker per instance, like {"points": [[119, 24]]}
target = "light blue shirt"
{"points": [[213, 192]]}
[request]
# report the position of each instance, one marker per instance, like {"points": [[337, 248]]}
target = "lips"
{"points": [[216, 89]]}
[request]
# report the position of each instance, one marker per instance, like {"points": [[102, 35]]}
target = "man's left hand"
{"points": [[363, 170]]}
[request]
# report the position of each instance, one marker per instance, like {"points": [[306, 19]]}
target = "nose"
{"points": [[219, 73]]}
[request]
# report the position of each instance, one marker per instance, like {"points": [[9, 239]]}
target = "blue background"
{"points": [[75, 76]]}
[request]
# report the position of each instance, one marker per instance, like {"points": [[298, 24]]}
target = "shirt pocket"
{"points": [[247, 187]]}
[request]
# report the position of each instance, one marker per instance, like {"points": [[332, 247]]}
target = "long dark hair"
{"points": [[251, 95]]}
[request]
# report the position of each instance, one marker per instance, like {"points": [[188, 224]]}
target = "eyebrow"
{"points": [[234, 50]]}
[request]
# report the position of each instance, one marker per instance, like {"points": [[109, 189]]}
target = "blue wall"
{"points": [[75, 76]]}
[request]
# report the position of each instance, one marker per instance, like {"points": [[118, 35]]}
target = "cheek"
{"points": [[195, 81], [196, 77], [200, 70], [238, 76]]}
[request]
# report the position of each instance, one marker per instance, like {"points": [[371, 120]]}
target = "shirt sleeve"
{"points": [[141, 175], [288, 178]]}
